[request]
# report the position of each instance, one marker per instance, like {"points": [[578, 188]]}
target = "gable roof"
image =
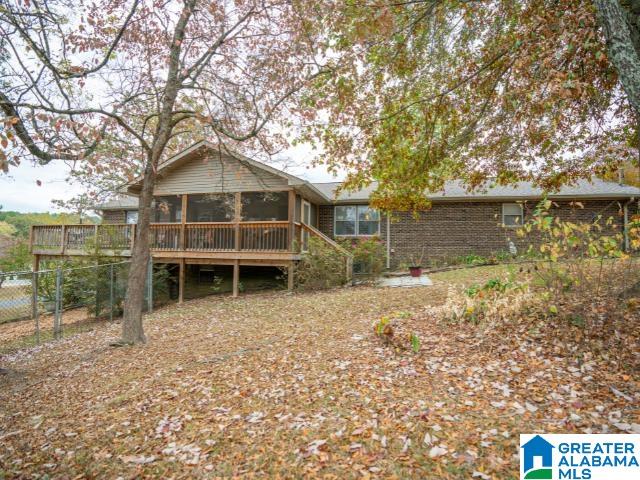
{"points": [[453, 190], [200, 147]]}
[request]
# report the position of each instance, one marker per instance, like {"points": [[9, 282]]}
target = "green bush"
{"points": [[322, 266], [368, 255], [17, 258]]}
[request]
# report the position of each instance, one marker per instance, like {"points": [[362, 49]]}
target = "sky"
{"points": [[19, 190]]}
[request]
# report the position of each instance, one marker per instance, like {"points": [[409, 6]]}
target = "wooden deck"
{"points": [[277, 243], [241, 240]]}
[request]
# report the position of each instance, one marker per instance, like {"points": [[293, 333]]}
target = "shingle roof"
{"points": [[121, 202], [455, 190], [328, 190]]}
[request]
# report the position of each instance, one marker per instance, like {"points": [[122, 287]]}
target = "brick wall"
{"points": [[325, 219], [451, 230], [113, 216]]}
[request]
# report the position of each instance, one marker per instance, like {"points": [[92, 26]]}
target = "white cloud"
{"points": [[19, 189]]}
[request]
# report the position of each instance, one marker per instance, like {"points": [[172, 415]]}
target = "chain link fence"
{"points": [[36, 307]]}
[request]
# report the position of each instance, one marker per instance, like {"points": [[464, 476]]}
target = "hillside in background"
{"points": [[14, 235], [21, 222]]}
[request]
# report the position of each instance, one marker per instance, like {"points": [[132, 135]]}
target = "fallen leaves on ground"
{"points": [[300, 386]]}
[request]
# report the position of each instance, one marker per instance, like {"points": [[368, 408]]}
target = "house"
{"points": [[217, 209], [538, 447]]}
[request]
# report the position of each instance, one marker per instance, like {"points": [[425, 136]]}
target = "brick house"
{"points": [[214, 208], [482, 222]]}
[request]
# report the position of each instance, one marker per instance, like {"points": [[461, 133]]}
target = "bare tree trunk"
{"points": [[622, 51], [132, 328]]}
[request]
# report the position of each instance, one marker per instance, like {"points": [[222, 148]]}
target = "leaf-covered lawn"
{"points": [[298, 386]]}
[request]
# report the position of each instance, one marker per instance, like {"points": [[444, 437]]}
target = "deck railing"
{"points": [[195, 237], [165, 236], [59, 239], [47, 237], [210, 237], [264, 236]]}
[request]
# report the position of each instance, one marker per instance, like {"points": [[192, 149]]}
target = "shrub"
{"points": [[368, 255], [87, 283], [580, 282], [473, 259], [322, 266], [488, 301], [576, 262], [17, 257]]}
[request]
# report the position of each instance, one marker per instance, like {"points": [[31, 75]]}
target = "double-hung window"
{"points": [[512, 214], [356, 220]]}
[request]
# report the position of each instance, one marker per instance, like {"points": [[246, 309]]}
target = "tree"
{"points": [[134, 79], [430, 90]]}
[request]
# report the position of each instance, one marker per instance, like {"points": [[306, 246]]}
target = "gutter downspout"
{"points": [[388, 242]]}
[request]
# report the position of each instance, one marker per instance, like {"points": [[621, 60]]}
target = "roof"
{"points": [[189, 153], [329, 190], [537, 442], [456, 191], [121, 202], [453, 190]]}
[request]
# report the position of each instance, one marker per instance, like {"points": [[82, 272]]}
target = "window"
{"points": [[167, 209], [512, 214], [131, 216], [368, 221], [356, 220], [211, 207], [265, 206]]}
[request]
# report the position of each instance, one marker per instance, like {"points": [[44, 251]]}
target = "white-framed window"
{"points": [[131, 216], [512, 214], [356, 220]]}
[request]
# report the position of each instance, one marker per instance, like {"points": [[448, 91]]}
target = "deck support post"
{"points": [[181, 281], [63, 239], [133, 236], [290, 276], [236, 277]]}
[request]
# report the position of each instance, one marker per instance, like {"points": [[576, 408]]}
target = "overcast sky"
{"points": [[19, 189]]}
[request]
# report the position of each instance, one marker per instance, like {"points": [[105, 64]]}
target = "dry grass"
{"points": [[292, 386]]}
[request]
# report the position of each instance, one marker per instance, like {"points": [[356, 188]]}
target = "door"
{"points": [[306, 219]]}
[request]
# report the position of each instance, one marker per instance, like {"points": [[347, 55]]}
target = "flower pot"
{"points": [[415, 271]]}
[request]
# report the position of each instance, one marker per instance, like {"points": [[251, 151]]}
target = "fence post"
{"points": [[150, 286], [57, 324], [34, 303], [111, 291], [97, 285]]}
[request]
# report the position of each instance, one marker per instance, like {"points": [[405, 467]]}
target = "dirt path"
{"points": [[293, 386]]}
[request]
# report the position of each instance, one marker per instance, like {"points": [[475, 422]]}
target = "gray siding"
{"points": [[208, 174]]}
